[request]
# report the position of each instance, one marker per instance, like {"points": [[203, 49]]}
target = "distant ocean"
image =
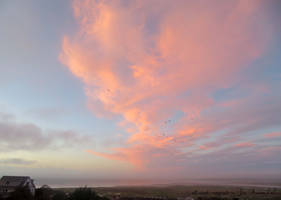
{"points": [[60, 183]]}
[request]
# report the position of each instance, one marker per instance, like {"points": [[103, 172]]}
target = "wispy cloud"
{"points": [[273, 135], [16, 161], [158, 65]]}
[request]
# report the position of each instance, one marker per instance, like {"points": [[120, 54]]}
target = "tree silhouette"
{"points": [[85, 194]]}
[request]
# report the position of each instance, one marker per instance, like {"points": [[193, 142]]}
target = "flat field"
{"points": [[182, 192]]}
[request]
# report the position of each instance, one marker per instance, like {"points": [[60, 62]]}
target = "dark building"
{"points": [[9, 184]]}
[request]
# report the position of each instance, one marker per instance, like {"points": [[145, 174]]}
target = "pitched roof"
{"points": [[13, 181]]}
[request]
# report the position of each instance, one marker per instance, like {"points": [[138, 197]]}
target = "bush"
{"points": [[59, 195], [84, 194], [43, 193]]}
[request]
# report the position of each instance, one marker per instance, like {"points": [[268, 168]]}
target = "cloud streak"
{"points": [[16, 161]]}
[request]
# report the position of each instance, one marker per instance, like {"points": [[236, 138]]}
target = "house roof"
{"points": [[13, 181]]}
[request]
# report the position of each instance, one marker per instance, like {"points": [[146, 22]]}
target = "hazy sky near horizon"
{"points": [[140, 89]]}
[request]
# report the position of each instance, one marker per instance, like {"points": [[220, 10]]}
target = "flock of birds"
{"points": [[167, 124]]}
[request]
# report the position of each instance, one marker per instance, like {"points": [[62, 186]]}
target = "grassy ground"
{"points": [[197, 192]]}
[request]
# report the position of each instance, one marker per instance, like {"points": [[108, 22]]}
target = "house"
{"points": [[9, 184]]}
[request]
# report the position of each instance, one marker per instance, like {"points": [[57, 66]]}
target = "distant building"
{"points": [[9, 184]]}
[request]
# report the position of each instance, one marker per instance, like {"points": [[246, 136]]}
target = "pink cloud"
{"points": [[134, 156], [273, 135], [144, 61], [244, 144]]}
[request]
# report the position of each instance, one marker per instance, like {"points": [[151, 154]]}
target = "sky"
{"points": [[140, 89]]}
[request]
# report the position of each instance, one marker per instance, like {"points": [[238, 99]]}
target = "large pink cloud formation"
{"points": [[157, 63]]}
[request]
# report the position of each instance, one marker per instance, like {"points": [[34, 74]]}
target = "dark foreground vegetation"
{"points": [[188, 193], [46, 193], [150, 193], [193, 192]]}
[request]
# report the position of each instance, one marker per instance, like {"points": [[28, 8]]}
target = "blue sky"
{"points": [[138, 89]]}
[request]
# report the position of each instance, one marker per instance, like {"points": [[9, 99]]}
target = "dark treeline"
{"points": [[46, 193]]}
